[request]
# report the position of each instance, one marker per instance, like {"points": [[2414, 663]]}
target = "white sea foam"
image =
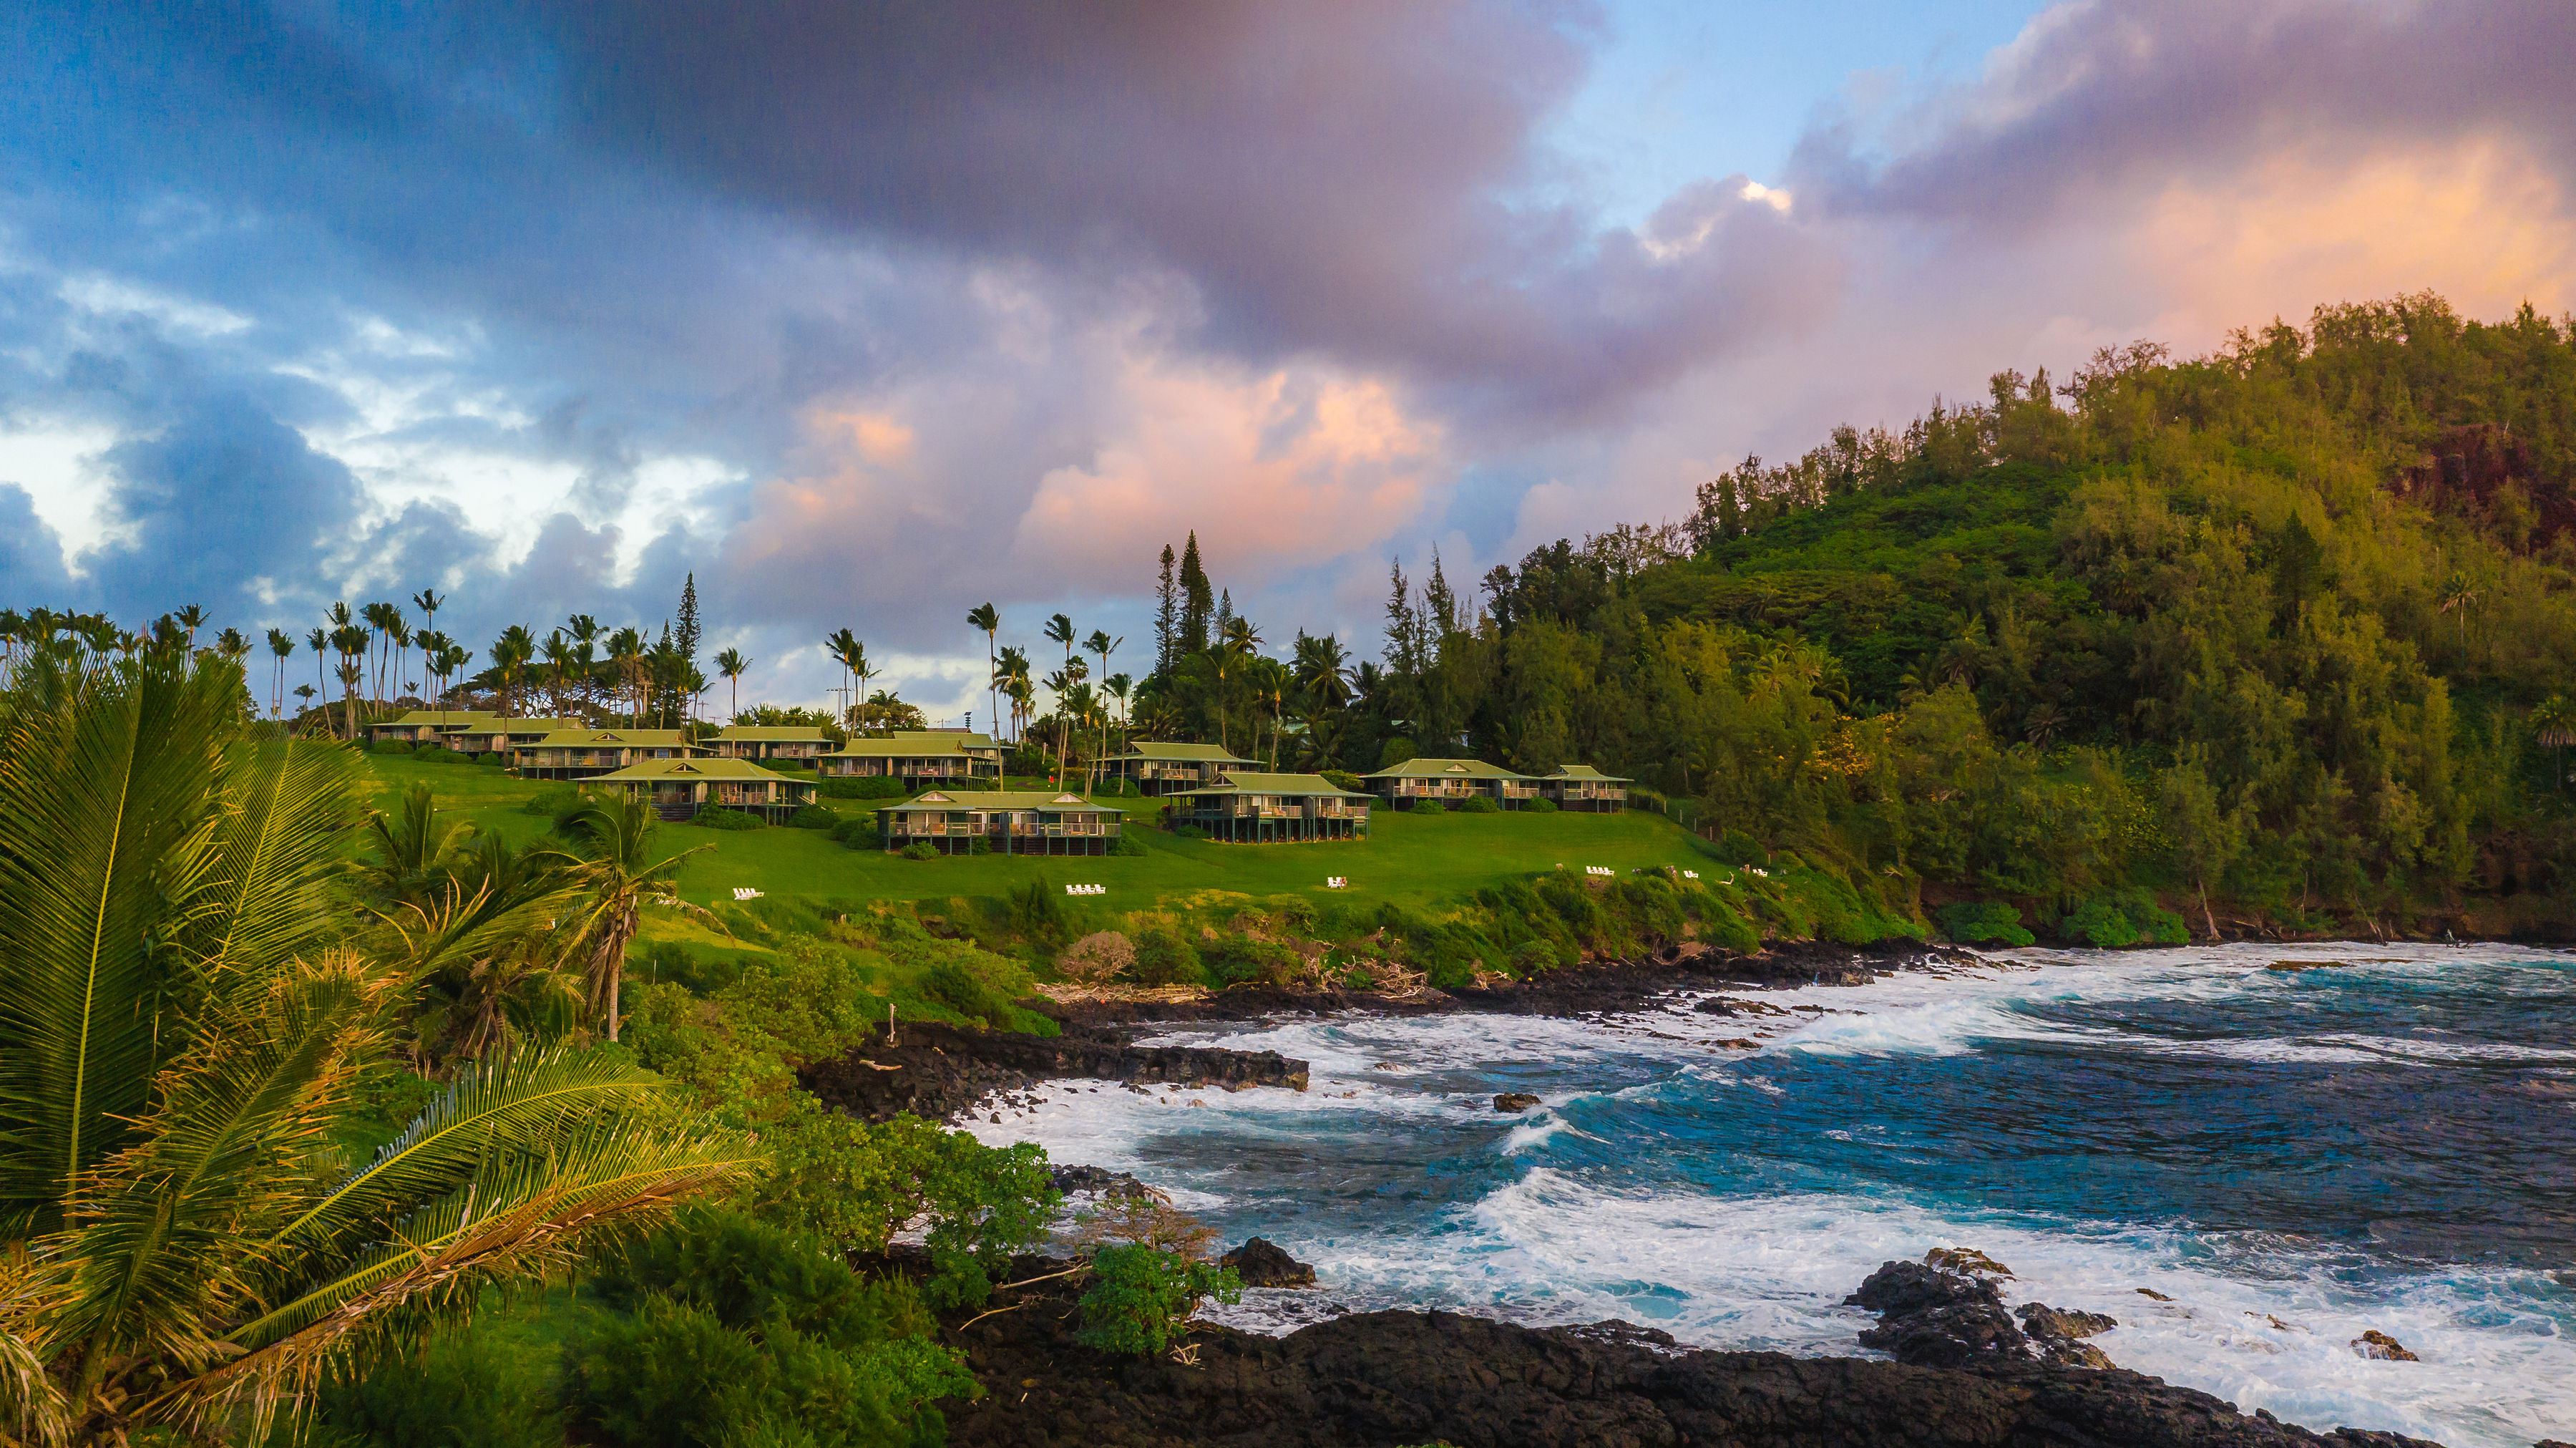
{"points": [[2262, 1320]]}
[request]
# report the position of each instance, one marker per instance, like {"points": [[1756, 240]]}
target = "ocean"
{"points": [[2290, 1145]]}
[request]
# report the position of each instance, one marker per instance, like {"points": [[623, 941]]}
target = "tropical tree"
{"points": [[510, 654], [2456, 597], [1059, 630], [2553, 723], [351, 644], [191, 618], [1271, 684], [617, 875], [1011, 675], [984, 616], [1239, 641], [319, 641], [281, 647], [429, 603], [733, 665], [1102, 644], [183, 1024], [1323, 669]]}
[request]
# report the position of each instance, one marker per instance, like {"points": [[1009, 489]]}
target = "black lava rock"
{"points": [[1263, 1263]]}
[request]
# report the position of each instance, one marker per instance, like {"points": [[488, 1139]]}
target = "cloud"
{"points": [[1354, 178]]}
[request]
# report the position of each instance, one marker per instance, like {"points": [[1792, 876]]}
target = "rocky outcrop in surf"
{"points": [[1425, 1377], [1946, 1312], [936, 1071]]}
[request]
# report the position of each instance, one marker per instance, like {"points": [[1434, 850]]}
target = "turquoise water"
{"points": [[2385, 1142]]}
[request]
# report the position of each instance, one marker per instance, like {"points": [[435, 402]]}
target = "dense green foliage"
{"points": [[1140, 1297], [2272, 628]]}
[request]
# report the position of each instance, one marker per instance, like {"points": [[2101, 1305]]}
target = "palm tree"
{"points": [[1102, 644], [510, 653], [733, 666], [618, 874], [401, 635], [626, 656], [1059, 630], [1271, 683], [379, 618], [2456, 597], [191, 618], [1323, 669], [1011, 675], [1237, 643], [184, 1027], [1119, 687], [320, 643], [281, 647], [351, 644], [984, 616], [429, 603], [558, 652], [2554, 723]]}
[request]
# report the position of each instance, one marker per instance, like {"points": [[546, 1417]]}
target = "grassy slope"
{"points": [[1411, 860]]}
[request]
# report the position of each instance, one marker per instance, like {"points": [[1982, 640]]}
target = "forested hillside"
{"points": [[2280, 632]]}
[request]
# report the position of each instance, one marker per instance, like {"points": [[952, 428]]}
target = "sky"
{"points": [[863, 315]]}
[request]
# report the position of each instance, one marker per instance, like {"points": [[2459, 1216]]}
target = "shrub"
{"points": [[1141, 1299], [1539, 805], [954, 986], [813, 817], [736, 1332], [1128, 843], [920, 850], [871, 787], [1984, 922], [1533, 956], [464, 1387], [1477, 804], [858, 833], [1035, 910], [1344, 779], [391, 746], [1397, 750], [1163, 957], [435, 754], [979, 845], [1237, 959], [554, 801], [489, 756], [717, 817], [1188, 832], [1429, 806], [1097, 958]]}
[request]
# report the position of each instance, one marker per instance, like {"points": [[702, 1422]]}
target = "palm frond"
{"points": [[107, 790], [157, 1230], [524, 1213], [495, 1106], [275, 850], [32, 1410]]}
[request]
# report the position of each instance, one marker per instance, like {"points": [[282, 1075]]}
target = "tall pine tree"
{"points": [[1198, 599], [1167, 619], [684, 639]]}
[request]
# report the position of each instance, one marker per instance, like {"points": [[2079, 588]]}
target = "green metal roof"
{"points": [[496, 724], [1444, 769], [419, 717], [965, 737], [1195, 753], [772, 734], [1243, 782], [994, 801], [710, 769], [615, 738], [905, 746], [1588, 774]]}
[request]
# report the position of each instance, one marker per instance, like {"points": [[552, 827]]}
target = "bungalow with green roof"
{"points": [[1447, 781], [1017, 822], [1584, 789], [500, 734], [588, 753], [1173, 768], [679, 788], [799, 743], [426, 726], [921, 758], [1254, 808]]}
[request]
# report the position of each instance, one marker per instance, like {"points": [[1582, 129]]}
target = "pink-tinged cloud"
{"points": [[1274, 472]]}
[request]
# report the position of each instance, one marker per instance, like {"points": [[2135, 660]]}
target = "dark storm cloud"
{"points": [[31, 556], [224, 497], [1331, 177], [2099, 99]]}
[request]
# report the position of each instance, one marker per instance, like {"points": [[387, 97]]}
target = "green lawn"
{"points": [[1413, 860]]}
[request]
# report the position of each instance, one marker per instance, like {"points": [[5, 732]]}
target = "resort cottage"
{"points": [[679, 788], [1447, 781], [797, 743], [428, 726], [1584, 788], [919, 758], [1026, 822], [498, 734], [588, 753], [1261, 808], [1173, 768]]}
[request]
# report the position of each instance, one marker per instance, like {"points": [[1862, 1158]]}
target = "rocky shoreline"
{"points": [[1393, 1378]]}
